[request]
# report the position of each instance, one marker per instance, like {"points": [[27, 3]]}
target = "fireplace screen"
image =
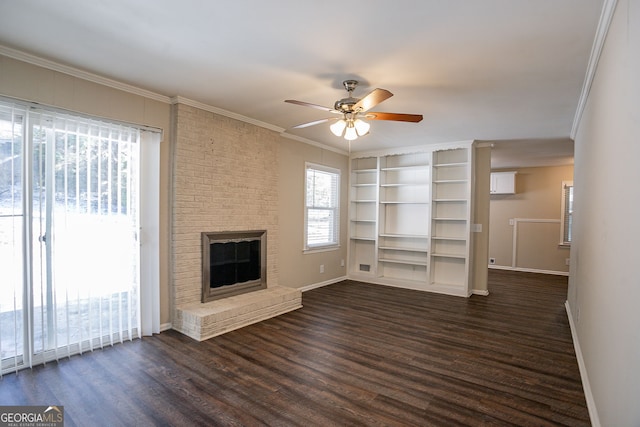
{"points": [[232, 263]]}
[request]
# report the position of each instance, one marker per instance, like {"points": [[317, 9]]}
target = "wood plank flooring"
{"points": [[356, 354]]}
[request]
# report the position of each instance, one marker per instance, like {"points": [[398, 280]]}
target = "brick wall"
{"points": [[225, 178]]}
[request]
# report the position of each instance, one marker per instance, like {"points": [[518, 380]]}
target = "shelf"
{"points": [[413, 202], [399, 261], [405, 168], [401, 236], [392, 248], [461, 239], [362, 220], [450, 219], [441, 255], [405, 184], [449, 165], [450, 200], [372, 239], [363, 201], [450, 181], [364, 185], [364, 170]]}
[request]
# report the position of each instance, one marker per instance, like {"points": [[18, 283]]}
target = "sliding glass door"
{"points": [[68, 235]]}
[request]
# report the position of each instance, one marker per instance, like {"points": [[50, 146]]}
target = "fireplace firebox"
{"points": [[233, 263]]}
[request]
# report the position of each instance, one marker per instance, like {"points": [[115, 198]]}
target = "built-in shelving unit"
{"points": [[363, 215], [410, 218], [450, 221], [404, 217]]}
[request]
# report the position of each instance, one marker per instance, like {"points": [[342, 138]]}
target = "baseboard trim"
{"points": [[483, 292], [528, 270], [588, 395], [321, 284], [165, 327]]}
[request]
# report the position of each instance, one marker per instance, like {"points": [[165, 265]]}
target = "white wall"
{"points": [[604, 285]]}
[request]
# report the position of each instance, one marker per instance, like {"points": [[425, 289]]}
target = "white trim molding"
{"points": [[81, 74], [586, 386], [321, 284], [314, 143], [223, 112], [608, 8], [528, 270]]}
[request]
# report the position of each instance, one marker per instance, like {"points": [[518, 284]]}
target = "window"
{"points": [[322, 207], [567, 212]]}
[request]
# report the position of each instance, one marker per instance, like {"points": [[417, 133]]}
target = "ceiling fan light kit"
{"points": [[349, 128], [354, 112]]}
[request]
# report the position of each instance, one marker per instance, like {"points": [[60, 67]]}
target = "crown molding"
{"points": [[81, 74], [608, 9], [314, 143], [232, 115], [223, 112]]}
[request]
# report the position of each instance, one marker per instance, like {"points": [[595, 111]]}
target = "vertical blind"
{"points": [[69, 234]]}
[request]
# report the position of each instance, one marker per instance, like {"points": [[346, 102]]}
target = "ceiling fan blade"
{"points": [[372, 99], [313, 123], [307, 104], [398, 117]]}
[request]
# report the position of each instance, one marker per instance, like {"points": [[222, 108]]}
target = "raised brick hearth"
{"points": [[203, 321]]}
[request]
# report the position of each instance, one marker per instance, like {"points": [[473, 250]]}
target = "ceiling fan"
{"points": [[352, 112]]}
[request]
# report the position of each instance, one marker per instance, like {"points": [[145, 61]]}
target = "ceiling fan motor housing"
{"points": [[346, 104]]}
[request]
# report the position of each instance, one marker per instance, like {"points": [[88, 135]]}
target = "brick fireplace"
{"points": [[225, 179]]}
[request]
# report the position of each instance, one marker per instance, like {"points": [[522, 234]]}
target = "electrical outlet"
{"points": [[321, 268], [511, 221], [567, 261], [342, 263]]}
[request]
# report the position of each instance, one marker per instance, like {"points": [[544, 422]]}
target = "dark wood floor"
{"points": [[356, 354]]}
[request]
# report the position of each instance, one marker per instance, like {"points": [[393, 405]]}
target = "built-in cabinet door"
{"points": [[503, 182]]}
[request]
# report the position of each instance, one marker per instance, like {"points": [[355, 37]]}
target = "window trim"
{"points": [[306, 248], [564, 238]]}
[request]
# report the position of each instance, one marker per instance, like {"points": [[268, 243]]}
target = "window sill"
{"points": [[321, 249]]}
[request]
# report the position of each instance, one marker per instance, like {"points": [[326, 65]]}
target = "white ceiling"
{"points": [[505, 71]]}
